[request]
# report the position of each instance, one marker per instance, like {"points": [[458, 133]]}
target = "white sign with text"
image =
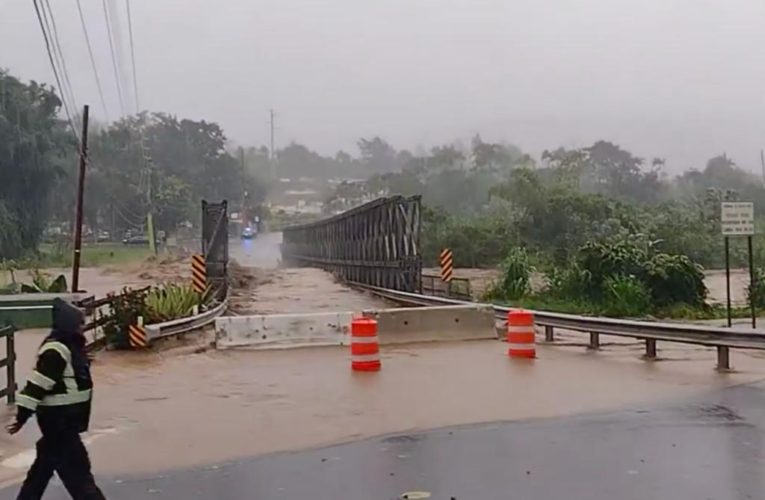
{"points": [[737, 218]]}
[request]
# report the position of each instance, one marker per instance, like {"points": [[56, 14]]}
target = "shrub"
{"points": [[570, 282], [41, 284], [625, 295], [516, 273], [124, 310], [675, 279], [757, 294]]}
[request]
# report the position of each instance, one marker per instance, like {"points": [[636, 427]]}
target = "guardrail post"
{"points": [[723, 358], [549, 334], [11, 368], [594, 341], [650, 349]]}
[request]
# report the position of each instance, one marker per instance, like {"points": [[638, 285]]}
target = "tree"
{"points": [[377, 156], [154, 161], [36, 149]]}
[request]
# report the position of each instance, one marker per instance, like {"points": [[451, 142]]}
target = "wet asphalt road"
{"points": [[708, 448]]}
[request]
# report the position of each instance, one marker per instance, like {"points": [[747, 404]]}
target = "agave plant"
{"points": [[172, 301], [42, 284]]}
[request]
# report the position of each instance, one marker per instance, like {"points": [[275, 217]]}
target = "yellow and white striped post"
{"points": [[137, 335], [447, 265], [199, 273]]}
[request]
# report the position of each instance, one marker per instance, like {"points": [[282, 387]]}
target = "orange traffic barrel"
{"points": [[365, 347], [521, 339]]}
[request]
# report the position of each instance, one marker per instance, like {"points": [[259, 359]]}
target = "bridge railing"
{"points": [[9, 363], [457, 288], [377, 244]]}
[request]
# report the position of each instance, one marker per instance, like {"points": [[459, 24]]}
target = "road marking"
{"points": [[24, 459]]}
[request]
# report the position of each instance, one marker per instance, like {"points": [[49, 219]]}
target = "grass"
{"points": [[93, 255]]}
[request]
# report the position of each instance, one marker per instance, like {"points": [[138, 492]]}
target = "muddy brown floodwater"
{"points": [[188, 406], [299, 290], [157, 411]]}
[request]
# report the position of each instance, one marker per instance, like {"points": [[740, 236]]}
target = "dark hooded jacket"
{"points": [[48, 378]]}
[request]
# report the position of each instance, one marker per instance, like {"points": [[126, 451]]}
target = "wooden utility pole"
{"points": [[80, 197], [150, 216], [273, 153]]}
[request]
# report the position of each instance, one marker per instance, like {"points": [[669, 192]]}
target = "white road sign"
{"points": [[737, 218]]}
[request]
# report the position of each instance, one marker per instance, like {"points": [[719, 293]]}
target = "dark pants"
{"points": [[64, 454]]}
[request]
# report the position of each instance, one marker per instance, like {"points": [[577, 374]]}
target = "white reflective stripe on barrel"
{"points": [[364, 340], [521, 347], [363, 358], [520, 329]]}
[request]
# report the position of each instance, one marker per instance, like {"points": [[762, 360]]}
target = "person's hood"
{"points": [[67, 320]]}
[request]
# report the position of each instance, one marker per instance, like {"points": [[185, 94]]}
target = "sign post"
{"points": [[737, 219]]}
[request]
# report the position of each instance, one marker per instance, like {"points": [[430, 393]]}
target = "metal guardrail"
{"points": [[712, 336], [457, 288], [184, 325], [9, 363]]}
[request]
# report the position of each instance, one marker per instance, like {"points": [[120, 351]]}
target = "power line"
{"points": [[55, 71], [93, 61], [132, 57], [56, 42], [114, 56]]}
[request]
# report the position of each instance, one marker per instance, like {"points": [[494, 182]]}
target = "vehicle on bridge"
{"points": [[249, 232]]}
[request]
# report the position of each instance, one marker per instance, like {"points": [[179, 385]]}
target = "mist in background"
{"points": [[677, 79]]}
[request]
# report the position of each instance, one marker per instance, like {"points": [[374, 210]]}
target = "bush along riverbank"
{"points": [[625, 278]]}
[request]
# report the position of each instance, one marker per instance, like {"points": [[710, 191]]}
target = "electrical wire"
{"points": [[93, 61], [132, 57], [114, 56], [125, 219], [57, 50], [55, 71]]}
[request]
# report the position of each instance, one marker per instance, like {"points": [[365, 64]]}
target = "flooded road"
{"points": [[155, 412], [693, 447], [288, 290], [192, 406], [263, 251]]}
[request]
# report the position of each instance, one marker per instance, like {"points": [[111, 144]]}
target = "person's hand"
{"points": [[14, 427]]}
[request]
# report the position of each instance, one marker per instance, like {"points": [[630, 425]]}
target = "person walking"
{"points": [[60, 391]]}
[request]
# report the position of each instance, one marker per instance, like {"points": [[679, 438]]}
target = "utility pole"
{"points": [[80, 198], [762, 162], [150, 216], [273, 153]]}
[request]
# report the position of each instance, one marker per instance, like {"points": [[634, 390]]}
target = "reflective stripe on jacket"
{"points": [[53, 381]]}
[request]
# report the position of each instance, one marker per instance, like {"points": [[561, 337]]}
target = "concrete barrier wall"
{"points": [[430, 324], [284, 330], [395, 326]]}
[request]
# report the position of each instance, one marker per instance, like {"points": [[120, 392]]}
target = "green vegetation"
{"points": [[624, 278], [173, 301], [35, 148], [150, 162], [154, 305], [41, 282], [611, 233], [93, 255]]}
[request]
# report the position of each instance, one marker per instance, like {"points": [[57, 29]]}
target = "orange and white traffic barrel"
{"points": [[521, 338], [365, 346]]}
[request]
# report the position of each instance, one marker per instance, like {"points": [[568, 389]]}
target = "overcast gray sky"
{"points": [[681, 79]]}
